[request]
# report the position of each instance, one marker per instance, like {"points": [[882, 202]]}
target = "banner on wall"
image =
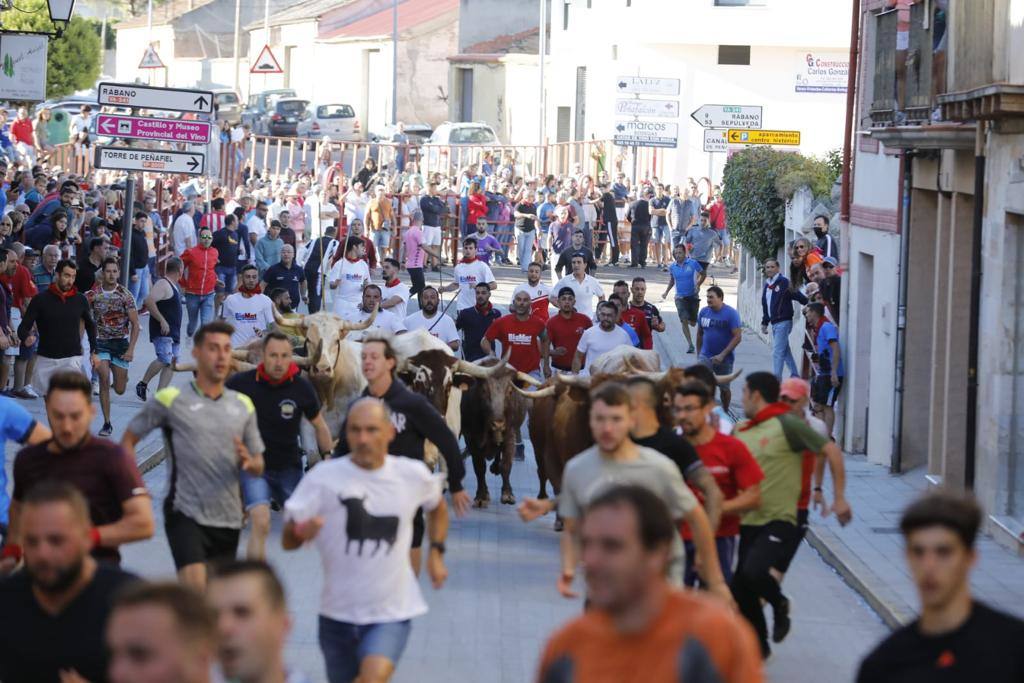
{"points": [[822, 71], [23, 67]]}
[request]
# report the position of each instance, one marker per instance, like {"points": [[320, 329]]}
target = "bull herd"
{"points": [[486, 401]]}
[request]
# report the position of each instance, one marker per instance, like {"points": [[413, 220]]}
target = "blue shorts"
{"points": [[661, 234], [112, 351], [723, 368], [166, 349], [726, 547], [346, 645], [27, 352], [276, 485], [724, 234], [381, 239], [229, 276]]}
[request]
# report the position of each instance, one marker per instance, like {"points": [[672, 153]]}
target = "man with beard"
{"points": [[428, 318], [540, 292], [56, 610]]}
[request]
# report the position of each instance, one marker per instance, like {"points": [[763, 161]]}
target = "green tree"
{"points": [[73, 60]]}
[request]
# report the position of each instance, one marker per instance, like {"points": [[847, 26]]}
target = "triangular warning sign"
{"points": [[266, 63], [150, 59]]}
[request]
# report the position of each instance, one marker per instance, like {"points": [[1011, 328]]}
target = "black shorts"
{"points": [[193, 543], [822, 391], [687, 307], [419, 528], [705, 265]]}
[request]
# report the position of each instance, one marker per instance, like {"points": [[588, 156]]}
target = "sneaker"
{"points": [[26, 392], [95, 387], [108, 429], [691, 349], [781, 622], [140, 390]]}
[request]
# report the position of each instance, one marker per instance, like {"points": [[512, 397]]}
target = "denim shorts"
{"points": [[346, 645], [662, 234], [229, 276], [166, 349], [723, 368], [276, 485], [382, 239], [112, 350]]}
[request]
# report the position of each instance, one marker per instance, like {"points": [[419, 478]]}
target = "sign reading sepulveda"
{"points": [[727, 116]]}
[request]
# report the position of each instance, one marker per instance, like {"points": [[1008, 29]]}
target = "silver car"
{"points": [[335, 121]]}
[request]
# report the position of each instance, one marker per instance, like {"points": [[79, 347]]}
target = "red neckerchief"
{"points": [[63, 296], [485, 310], [768, 412], [353, 260], [251, 292], [466, 259], [393, 283], [262, 375]]}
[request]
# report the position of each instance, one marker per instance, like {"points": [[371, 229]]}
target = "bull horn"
{"points": [[582, 381], [482, 371], [187, 367], [539, 393], [651, 375], [349, 326], [726, 379], [242, 366], [523, 377], [288, 322], [240, 354]]}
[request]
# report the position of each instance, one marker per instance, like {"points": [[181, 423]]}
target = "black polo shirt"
{"points": [[279, 412], [278, 275]]}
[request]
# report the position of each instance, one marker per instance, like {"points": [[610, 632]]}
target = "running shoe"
{"points": [[107, 429], [140, 390]]}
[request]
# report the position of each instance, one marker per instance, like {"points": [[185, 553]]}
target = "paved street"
{"points": [[491, 619]]}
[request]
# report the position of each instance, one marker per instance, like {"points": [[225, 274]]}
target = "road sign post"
{"points": [[728, 116], [126, 231], [146, 97], [144, 128], [150, 160], [790, 138]]}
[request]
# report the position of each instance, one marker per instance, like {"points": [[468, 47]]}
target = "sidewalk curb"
{"points": [[886, 603], [151, 461]]}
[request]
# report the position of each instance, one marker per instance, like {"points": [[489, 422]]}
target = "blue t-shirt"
{"points": [[685, 276], [544, 213], [828, 333], [718, 327], [16, 424]]}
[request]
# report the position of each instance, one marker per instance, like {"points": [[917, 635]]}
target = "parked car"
{"points": [[334, 121], [418, 133], [285, 116], [257, 111], [436, 152], [228, 105]]}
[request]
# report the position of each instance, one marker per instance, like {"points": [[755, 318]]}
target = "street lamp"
{"points": [[60, 14], [61, 10]]}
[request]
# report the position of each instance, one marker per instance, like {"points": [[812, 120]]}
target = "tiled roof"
{"points": [[411, 13], [525, 42]]}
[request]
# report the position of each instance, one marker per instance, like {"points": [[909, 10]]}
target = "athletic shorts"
{"points": [[345, 645], [166, 349], [229, 276], [686, 307], [822, 391], [431, 235], [193, 543], [704, 266], [724, 235], [112, 351]]}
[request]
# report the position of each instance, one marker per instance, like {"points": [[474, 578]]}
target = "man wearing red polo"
{"points": [[565, 330]]}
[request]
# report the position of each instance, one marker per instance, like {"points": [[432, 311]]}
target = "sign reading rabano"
{"points": [[22, 67]]}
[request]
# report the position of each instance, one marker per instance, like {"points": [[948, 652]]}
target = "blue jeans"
{"points": [[200, 310], [272, 485], [781, 353], [524, 248], [140, 286], [346, 645]]}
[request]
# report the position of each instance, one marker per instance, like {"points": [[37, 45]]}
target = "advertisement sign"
{"points": [[822, 71], [22, 67]]}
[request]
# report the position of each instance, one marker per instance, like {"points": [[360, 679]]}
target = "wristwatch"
{"points": [[438, 546]]}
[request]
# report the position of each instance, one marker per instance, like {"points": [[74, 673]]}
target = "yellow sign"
{"points": [[764, 137]]}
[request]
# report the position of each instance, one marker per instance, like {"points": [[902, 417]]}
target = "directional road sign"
{"points": [[764, 137], [143, 128], [150, 160], [642, 85], [715, 140], [145, 97], [661, 108], [727, 116], [646, 134]]}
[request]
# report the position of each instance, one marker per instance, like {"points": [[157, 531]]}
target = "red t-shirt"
{"points": [[566, 333], [21, 130], [734, 468], [806, 470], [520, 336], [21, 286], [636, 318]]}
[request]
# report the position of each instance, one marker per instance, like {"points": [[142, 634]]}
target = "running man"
{"points": [[164, 306], [117, 331], [359, 509], [719, 332], [684, 273], [469, 274]]}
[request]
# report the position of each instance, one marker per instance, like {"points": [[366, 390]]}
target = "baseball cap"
{"points": [[830, 261], [794, 388], [29, 251]]}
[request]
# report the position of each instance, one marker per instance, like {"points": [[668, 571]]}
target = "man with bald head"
{"points": [[364, 504], [287, 275]]}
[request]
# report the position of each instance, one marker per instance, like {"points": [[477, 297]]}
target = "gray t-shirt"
{"points": [[589, 473], [199, 437], [703, 240]]}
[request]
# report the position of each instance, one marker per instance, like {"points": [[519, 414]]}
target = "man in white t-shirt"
{"points": [[395, 293], [249, 310], [470, 272], [540, 292], [385, 320], [183, 232], [364, 505], [428, 318], [348, 276], [585, 286], [601, 338]]}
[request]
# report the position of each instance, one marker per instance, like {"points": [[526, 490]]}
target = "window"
{"points": [[472, 135], [335, 111], [291, 107], [581, 100], [563, 121], [734, 54]]}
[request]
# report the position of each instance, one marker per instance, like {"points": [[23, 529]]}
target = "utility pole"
{"points": [[394, 63], [542, 53], [266, 39], [149, 36], [238, 21]]}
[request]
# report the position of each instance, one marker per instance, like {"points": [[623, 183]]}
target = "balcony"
{"points": [[903, 79]]}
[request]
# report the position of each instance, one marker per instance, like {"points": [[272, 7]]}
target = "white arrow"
{"points": [[107, 125]]}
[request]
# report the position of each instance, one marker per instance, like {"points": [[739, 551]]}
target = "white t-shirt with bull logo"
{"points": [[364, 543]]}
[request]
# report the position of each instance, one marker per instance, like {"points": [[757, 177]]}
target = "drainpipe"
{"points": [[896, 462], [851, 87], [970, 452]]}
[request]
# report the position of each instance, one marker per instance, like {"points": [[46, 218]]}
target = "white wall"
{"points": [[131, 46]]}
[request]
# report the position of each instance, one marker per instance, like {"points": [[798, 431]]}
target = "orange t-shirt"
{"points": [[812, 258], [691, 630]]}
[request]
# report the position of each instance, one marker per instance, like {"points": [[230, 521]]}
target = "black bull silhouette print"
{"points": [[361, 526]]}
